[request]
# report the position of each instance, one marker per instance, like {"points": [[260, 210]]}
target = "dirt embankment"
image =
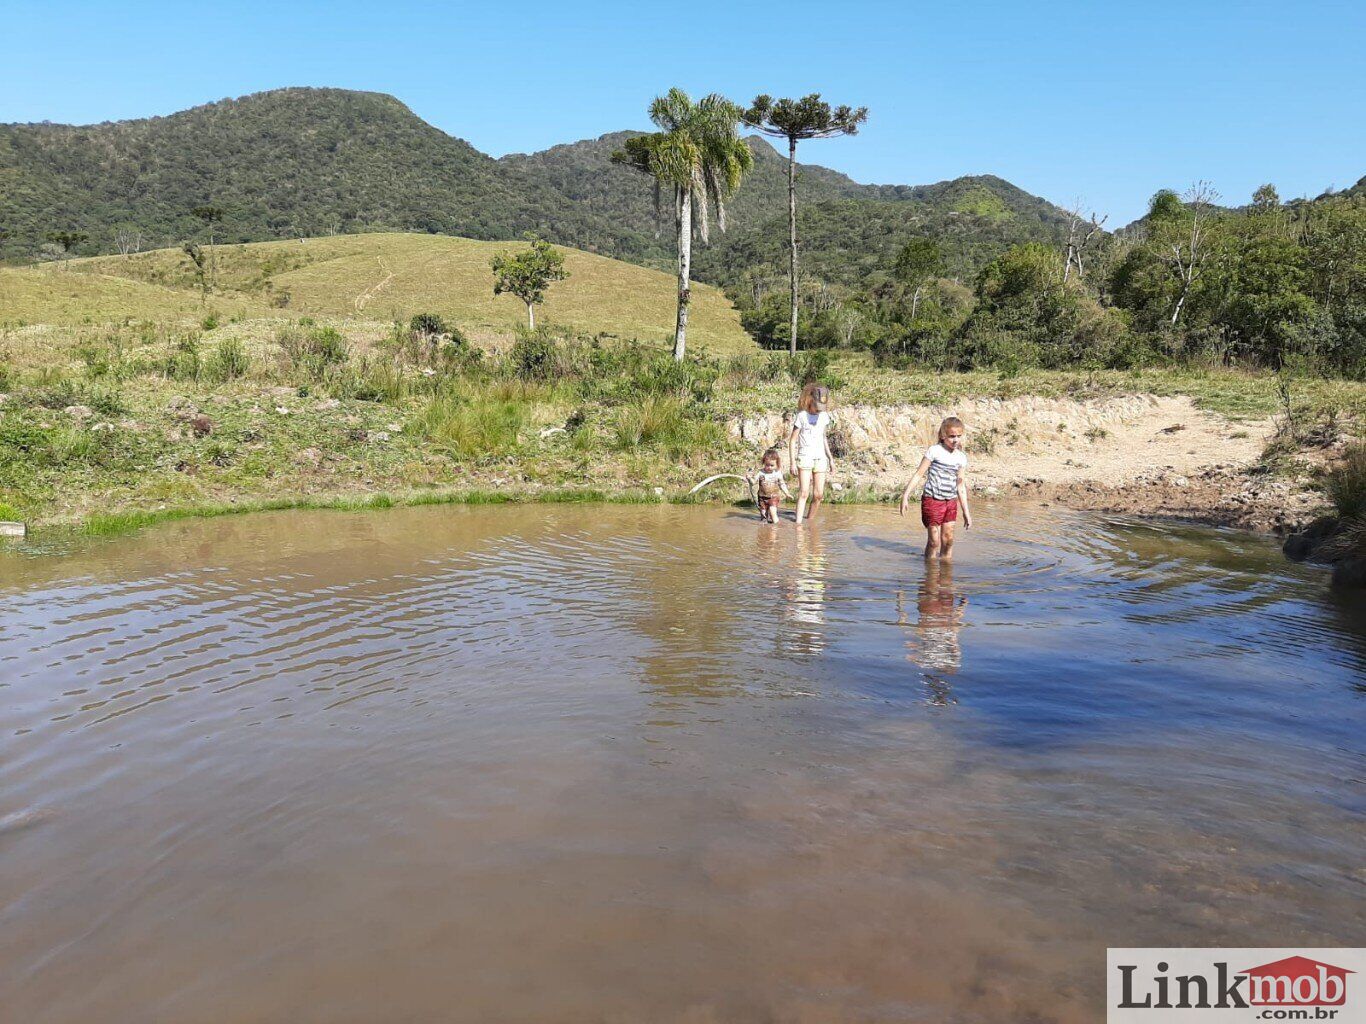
{"points": [[1138, 454]]}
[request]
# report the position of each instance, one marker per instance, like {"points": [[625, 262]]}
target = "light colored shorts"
{"points": [[815, 463]]}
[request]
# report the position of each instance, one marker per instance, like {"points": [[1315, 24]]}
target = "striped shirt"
{"points": [[941, 482]]}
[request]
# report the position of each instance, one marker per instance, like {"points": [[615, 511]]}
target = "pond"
{"points": [[661, 763]]}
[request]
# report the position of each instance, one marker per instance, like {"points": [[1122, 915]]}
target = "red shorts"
{"points": [[934, 512], [768, 501]]}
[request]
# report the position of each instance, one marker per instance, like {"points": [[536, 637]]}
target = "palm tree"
{"points": [[699, 155]]}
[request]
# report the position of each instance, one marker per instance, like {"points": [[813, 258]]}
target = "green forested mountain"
{"points": [[287, 163], [847, 229], [297, 162]]}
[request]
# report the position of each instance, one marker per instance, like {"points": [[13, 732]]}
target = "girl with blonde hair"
{"points": [[808, 448], [945, 472]]}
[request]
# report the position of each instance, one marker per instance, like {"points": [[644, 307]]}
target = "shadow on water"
{"points": [[316, 766]]}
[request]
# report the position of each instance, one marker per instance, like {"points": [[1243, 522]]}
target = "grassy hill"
{"points": [[373, 277], [75, 294]]}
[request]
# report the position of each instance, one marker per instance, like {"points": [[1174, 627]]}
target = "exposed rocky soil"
{"points": [[1138, 454]]}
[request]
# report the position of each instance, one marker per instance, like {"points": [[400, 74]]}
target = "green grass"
{"points": [[387, 277], [76, 293], [342, 412], [119, 523], [1346, 484]]}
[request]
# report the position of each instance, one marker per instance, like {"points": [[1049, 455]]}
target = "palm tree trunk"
{"points": [[684, 269], [792, 237]]}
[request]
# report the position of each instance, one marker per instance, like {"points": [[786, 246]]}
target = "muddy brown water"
{"points": [[659, 763]]}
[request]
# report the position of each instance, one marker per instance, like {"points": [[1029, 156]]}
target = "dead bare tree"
{"points": [[1080, 232], [1188, 248], [128, 241], [848, 319]]}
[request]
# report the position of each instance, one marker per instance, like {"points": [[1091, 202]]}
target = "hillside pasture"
{"points": [[392, 276]]}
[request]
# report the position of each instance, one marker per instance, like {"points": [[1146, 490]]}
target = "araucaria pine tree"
{"points": [[794, 120], [699, 157]]}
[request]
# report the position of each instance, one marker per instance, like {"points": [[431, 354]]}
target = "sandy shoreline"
{"points": [[1135, 454]]}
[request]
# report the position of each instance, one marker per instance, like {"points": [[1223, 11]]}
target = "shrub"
{"points": [[1346, 484], [533, 355], [428, 323], [808, 367], [6, 377], [106, 402], [229, 361], [628, 372], [315, 351], [184, 362], [430, 341], [104, 358], [327, 344], [209, 322], [52, 389]]}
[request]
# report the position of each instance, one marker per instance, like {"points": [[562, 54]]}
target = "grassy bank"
{"points": [[110, 427]]}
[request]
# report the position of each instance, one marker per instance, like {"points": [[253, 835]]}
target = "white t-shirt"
{"points": [[811, 433], [941, 481], [771, 483]]}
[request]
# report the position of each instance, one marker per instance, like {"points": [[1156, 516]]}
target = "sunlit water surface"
{"points": [[660, 764]]}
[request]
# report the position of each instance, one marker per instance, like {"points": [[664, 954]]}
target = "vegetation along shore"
{"points": [[185, 353]]}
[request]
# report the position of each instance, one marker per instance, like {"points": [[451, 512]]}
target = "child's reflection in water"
{"points": [[805, 605], [934, 643]]}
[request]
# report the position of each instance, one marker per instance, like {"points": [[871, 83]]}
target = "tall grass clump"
{"points": [[664, 422], [184, 361], [1346, 484], [479, 426], [630, 372], [229, 361], [314, 351]]}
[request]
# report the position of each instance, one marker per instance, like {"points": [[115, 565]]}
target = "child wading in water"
{"points": [[809, 449], [771, 485], [945, 472]]}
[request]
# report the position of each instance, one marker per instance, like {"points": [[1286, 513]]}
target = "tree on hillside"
{"points": [[198, 261], [807, 118], [1178, 228], [699, 156], [128, 240], [1266, 198], [210, 215], [919, 261], [66, 241], [1080, 232], [527, 274]]}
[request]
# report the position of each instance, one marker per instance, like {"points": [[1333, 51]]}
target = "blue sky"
{"points": [[1105, 102]]}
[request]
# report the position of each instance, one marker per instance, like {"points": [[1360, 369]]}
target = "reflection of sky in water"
{"points": [[519, 741]]}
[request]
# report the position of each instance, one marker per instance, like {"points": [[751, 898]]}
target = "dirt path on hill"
{"points": [[1139, 454], [363, 299]]}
